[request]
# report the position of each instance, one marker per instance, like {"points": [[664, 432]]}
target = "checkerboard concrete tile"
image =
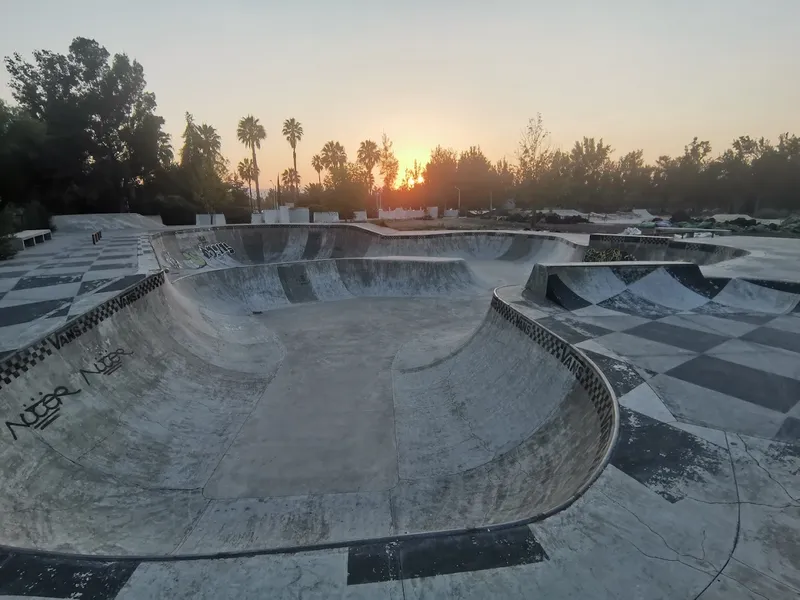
{"points": [[644, 353], [703, 406], [709, 324], [679, 337], [776, 338], [764, 358], [14, 314], [767, 390], [39, 294], [786, 323]]}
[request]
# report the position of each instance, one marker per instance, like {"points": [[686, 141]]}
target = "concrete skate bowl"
{"points": [[171, 420], [220, 247], [655, 248], [656, 289]]}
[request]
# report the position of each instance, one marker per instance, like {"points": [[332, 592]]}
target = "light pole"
{"points": [[459, 198], [271, 189]]}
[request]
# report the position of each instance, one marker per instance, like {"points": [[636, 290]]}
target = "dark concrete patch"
{"points": [[680, 337], [90, 286], [313, 242], [65, 265], [632, 273], [123, 282], [559, 293], [27, 575], [787, 340], [427, 557], [12, 274], [631, 304], [789, 431], [296, 284], [622, 376], [751, 385], [109, 266], [22, 313], [38, 281], [662, 457]]}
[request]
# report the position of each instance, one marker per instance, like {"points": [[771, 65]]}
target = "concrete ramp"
{"points": [[257, 288], [654, 288], [222, 247], [161, 424], [106, 222], [658, 248]]}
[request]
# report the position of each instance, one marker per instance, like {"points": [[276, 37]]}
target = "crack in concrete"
{"points": [[763, 468], [663, 539]]}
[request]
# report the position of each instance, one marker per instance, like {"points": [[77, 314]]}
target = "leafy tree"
{"points": [[290, 178], [316, 162], [388, 162], [250, 133], [246, 172], [368, 157], [202, 165], [102, 140], [293, 132], [441, 175], [333, 155]]}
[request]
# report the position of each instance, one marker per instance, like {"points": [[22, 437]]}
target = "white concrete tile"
{"points": [[758, 356], [644, 400]]}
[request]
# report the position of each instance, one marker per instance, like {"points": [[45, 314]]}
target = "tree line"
{"points": [[84, 136]]}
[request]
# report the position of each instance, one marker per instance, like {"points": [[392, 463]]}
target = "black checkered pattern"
{"points": [[19, 363], [587, 374], [22, 360]]}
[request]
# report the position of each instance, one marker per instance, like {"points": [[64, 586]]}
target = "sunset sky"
{"points": [[640, 74]]}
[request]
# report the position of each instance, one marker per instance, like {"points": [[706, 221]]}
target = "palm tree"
{"points": [[316, 162], [245, 170], [368, 157], [293, 132], [250, 132], [290, 178], [333, 155]]}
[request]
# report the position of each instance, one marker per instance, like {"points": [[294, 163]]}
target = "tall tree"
{"points": [[368, 156], [316, 162], [202, 165], [333, 155], [290, 178], [293, 132], [250, 133], [104, 140], [389, 163], [245, 170]]}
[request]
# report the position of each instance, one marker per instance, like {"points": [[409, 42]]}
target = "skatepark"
{"points": [[365, 414]]}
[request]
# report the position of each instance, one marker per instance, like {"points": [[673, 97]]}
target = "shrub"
{"points": [[680, 216], [6, 229]]}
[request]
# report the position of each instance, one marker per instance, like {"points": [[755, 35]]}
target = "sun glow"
{"points": [[412, 182]]}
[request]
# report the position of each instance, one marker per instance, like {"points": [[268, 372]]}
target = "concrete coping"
{"points": [[618, 263]]}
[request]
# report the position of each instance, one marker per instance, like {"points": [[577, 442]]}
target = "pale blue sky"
{"points": [[639, 73]]}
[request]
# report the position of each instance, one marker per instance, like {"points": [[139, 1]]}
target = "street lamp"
{"points": [[275, 198], [459, 198]]}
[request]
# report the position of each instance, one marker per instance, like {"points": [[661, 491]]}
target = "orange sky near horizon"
{"points": [[639, 75]]}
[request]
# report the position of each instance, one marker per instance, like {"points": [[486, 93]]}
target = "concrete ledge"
{"points": [[30, 237]]}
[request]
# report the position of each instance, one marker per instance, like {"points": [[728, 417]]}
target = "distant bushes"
{"points": [[6, 229]]}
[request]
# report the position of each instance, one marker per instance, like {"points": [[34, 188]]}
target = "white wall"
{"points": [[433, 211], [326, 217], [451, 212], [205, 219], [283, 214], [360, 216], [256, 218], [299, 215], [270, 216]]}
